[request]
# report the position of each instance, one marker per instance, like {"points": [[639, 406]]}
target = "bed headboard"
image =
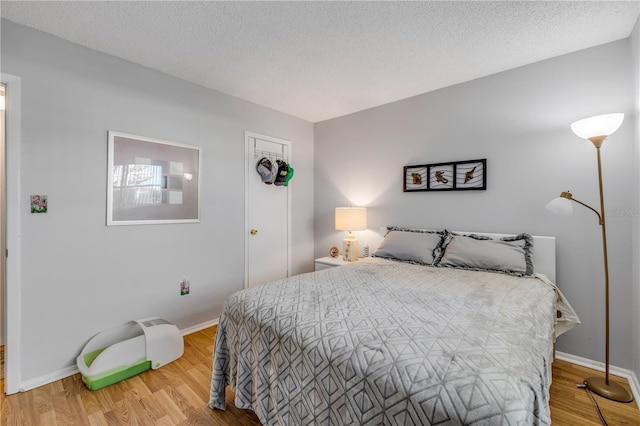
{"points": [[544, 253]]}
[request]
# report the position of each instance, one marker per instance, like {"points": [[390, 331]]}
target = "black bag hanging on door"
{"points": [[281, 175]]}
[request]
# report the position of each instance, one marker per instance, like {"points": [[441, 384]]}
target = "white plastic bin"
{"points": [[120, 352]]}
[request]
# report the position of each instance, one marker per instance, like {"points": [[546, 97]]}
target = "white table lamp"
{"points": [[350, 219]]}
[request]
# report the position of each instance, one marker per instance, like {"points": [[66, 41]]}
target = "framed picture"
{"points": [[38, 204], [471, 175], [151, 181], [451, 176], [416, 178], [441, 176]]}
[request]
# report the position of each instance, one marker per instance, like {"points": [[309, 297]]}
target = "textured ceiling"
{"points": [[320, 60]]}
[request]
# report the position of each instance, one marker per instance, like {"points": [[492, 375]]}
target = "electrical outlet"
{"points": [[184, 287]]}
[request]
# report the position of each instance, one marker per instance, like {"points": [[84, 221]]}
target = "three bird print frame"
{"points": [[451, 176]]}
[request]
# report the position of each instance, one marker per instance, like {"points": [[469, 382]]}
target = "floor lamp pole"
{"points": [[602, 387]]}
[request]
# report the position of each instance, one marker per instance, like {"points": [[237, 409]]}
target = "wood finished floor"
{"points": [[177, 394]]}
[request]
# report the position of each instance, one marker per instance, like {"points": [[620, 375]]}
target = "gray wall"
{"points": [[519, 121], [80, 276], [635, 55]]}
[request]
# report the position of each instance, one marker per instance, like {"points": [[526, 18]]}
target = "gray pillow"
{"points": [[511, 255], [410, 246]]}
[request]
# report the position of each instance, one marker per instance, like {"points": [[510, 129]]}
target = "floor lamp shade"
{"points": [[600, 125], [350, 219], [561, 206]]}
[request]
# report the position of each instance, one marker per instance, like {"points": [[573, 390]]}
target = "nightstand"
{"points": [[329, 262]]}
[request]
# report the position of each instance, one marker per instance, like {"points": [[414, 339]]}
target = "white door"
{"points": [[267, 213]]}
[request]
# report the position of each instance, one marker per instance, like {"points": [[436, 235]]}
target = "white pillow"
{"points": [[510, 255], [410, 246]]}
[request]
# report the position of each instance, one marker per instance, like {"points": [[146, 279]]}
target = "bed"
{"points": [[439, 328]]}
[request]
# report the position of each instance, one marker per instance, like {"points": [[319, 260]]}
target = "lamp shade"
{"points": [[560, 205], [351, 218], [600, 125]]}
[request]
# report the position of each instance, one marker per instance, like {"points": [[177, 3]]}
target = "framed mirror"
{"points": [[151, 181]]}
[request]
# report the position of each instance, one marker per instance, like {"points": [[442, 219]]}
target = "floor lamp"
{"points": [[597, 129]]}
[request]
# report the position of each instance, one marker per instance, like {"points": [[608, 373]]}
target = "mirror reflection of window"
{"points": [[137, 184]]}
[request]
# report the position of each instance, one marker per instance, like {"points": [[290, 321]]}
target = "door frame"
{"points": [[3, 210], [249, 168], [13, 285]]}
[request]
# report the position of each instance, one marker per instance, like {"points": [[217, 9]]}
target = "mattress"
{"points": [[390, 343]]}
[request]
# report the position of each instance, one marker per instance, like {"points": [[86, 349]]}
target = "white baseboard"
{"points": [[199, 327], [63, 373], [599, 366], [45, 379]]}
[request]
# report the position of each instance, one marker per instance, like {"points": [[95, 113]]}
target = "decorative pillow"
{"points": [[410, 245], [511, 255]]}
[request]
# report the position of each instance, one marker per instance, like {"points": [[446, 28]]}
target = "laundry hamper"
{"points": [[120, 352]]}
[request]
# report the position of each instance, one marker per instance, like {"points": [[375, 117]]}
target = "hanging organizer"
{"points": [[273, 157]]}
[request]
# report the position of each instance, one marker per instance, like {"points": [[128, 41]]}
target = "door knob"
{"points": [[254, 231]]}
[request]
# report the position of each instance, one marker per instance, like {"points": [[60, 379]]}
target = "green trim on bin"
{"points": [[105, 379], [91, 356]]}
